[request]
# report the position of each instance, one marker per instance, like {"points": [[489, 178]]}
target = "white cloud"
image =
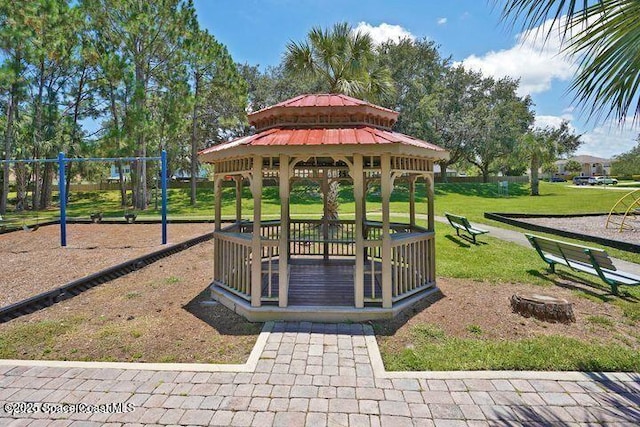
{"points": [[567, 113], [543, 121], [442, 21], [605, 141], [384, 32], [609, 139], [534, 59]]}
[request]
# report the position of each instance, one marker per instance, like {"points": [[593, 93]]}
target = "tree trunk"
{"points": [[74, 132], [8, 135], [194, 142], [22, 180], [485, 173], [37, 136], [443, 171], [67, 183], [535, 181], [330, 192], [140, 183], [47, 186], [123, 186]]}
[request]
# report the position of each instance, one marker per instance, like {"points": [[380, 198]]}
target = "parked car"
{"points": [[580, 180], [557, 179], [602, 180]]}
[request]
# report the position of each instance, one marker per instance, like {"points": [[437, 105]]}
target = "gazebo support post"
{"points": [[412, 200], [325, 213], [256, 243], [385, 187], [358, 195], [238, 179], [430, 202], [217, 192], [283, 245], [429, 184]]}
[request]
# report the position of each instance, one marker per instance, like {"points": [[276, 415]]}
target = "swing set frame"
{"points": [[62, 179]]}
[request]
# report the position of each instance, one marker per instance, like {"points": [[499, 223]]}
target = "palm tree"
{"points": [[542, 146], [343, 59], [345, 62], [604, 35]]}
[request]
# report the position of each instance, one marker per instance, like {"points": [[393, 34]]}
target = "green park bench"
{"points": [[461, 223], [581, 258]]}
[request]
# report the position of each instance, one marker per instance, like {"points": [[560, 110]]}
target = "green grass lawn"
{"points": [[496, 262], [434, 350], [471, 199], [500, 262]]}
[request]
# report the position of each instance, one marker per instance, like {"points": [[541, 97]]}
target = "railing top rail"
{"points": [[230, 227], [404, 238], [240, 238], [416, 228]]}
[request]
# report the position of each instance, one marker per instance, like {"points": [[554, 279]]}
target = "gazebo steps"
{"points": [[319, 313]]}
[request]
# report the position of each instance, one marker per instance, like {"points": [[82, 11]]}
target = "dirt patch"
{"points": [[33, 262], [481, 310], [151, 315]]}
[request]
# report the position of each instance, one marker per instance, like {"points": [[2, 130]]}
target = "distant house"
{"points": [[179, 175], [450, 172], [114, 176], [185, 175], [591, 166]]}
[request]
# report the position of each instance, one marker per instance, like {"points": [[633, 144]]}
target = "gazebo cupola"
{"points": [[329, 268]]}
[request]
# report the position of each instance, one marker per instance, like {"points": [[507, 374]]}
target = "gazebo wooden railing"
{"points": [[411, 250]]}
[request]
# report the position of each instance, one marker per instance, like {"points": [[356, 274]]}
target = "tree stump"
{"points": [[543, 307]]}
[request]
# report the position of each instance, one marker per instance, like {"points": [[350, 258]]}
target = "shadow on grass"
{"points": [[591, 289], [219, 317], [486, 190], [460, 239], [457, 241]]}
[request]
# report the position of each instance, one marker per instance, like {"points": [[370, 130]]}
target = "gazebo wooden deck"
{"points": [[324, 269]]}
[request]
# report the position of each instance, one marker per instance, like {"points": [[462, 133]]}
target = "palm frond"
{"points": [[609, 77], [299, 58], [530, 14], [604, 35]]}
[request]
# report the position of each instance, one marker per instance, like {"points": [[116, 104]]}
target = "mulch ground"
{"points": [[34, 262], [466, 304], [152, 315], [594, 226], [156, 314]]}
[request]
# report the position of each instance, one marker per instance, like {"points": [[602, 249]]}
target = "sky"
{"points": [[469, 31]]}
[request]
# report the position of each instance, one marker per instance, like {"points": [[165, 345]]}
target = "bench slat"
{"points": [[603, 259], [626, 279]]}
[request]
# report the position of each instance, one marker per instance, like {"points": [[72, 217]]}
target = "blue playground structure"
{"points": [[62, 161]]}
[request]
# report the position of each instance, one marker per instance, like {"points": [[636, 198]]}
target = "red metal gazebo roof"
{"points": [[325, 109], [323, 100], [335, 136], [326, 120]]}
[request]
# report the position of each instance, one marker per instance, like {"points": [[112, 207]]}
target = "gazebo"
{"points": [[323, 269]]}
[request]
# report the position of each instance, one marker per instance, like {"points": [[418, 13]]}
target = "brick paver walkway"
{"points": [[308, 374]]}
